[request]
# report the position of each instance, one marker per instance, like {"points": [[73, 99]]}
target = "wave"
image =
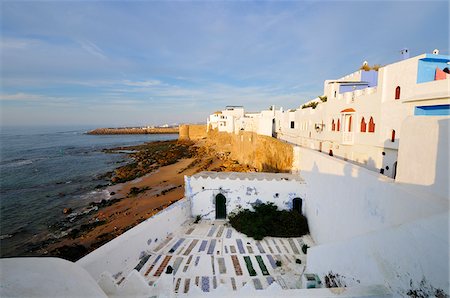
{"points": [[17, 162], [6, 236], [97, 195]]}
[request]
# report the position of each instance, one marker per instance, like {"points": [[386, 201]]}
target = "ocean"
{"points": [[46, 169]]}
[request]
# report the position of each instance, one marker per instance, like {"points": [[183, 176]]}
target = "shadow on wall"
{"points": [[378, 231]]}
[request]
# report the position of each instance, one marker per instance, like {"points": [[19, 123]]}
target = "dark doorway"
{"points": [[297, 205], [221, 207]]}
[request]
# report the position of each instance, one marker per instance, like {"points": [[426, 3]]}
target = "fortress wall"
{"points": [[192, 131], [124, 252], [263, 152]]}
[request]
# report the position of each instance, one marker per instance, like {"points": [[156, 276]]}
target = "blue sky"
{"points": [[113, 63]]}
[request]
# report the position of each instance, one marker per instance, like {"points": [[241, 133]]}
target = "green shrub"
{"points": [[267, 220]]}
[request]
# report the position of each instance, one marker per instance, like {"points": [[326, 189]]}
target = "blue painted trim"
{"points": [[436, 110], [426, 68]]}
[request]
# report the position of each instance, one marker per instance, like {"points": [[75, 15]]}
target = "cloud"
{"points": [[92, 48], [148, 83], [16, 43], [20, 97]]}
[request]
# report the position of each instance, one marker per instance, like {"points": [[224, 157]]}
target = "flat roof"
{"points": [[349, 82], [249, 176]]}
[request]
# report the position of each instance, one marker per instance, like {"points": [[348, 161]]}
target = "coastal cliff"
{"points": [[133, 130]]}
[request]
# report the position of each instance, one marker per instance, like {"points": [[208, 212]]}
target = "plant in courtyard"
{"points": [[267, 220]]}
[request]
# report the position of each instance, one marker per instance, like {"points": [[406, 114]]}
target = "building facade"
{"points": [[359, 116]]}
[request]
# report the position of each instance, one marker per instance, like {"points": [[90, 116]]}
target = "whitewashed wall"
{"points": [[241, 193], [373, 229], [124, 252], [410, 256], [424, 154], [345, 200]]}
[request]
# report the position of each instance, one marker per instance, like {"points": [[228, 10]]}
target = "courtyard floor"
{"points": [[211, 254]]}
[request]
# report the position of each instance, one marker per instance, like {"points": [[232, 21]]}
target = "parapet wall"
{"points": [[262, 152], [192, 132], [124, 252]]}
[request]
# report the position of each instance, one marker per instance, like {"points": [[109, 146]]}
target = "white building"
{"points": [[359, 117], [234, 119], [225, 120]]}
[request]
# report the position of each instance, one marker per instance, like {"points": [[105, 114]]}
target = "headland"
{"points": [[134, 130]]}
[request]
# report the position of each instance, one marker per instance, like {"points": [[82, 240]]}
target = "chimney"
{"points": [[405, 53]]}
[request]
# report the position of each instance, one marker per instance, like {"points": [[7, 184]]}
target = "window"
{"points": [[292, 124], [363, 125], [393, 136], [333, 125], [397, 92], [371, 125], [338, 125], [350, 124], [335, 94]]}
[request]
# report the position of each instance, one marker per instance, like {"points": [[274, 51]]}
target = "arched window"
{"points": [[393, 136], [397, 92], [350, 124], [333, 125], [371, 125], [338, 125], [363, 125], [221, 207]]}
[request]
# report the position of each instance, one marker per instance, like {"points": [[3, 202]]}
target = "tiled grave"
{"points": [[209, 254]]}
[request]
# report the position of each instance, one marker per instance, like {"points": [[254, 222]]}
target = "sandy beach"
{"points": [[140, 199]]}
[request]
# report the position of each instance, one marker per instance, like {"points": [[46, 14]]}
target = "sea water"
{"points": [[44, 170]]}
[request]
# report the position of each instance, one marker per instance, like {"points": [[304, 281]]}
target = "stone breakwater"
{"points": [[133, 130]]}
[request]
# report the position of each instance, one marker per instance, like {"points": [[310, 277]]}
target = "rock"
{"points": [[67, 210]]}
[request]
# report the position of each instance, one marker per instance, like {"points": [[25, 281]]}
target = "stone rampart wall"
{"points": [[264, 153], [192, 132]]}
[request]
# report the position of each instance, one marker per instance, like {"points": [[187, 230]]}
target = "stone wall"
{"points": [[262, 152], [192, 131]]}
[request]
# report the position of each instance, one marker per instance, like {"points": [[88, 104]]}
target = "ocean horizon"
{"points": [[46, 169]]}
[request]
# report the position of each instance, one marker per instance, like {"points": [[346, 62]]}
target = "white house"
{"points": [[225, 120], [359, 116]]}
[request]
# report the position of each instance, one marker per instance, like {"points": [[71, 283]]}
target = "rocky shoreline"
{"points": [[149, 183]]}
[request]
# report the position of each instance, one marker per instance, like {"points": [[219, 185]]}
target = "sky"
{"points": [[117, 63]]}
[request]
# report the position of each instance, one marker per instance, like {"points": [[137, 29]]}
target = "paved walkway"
{"points": [[209, 254]]}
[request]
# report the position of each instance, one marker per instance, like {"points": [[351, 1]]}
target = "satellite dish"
{"points": [[436, 52]]}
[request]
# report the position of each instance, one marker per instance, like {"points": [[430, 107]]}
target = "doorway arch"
{"points": [[297, 205], [221, 207]]}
